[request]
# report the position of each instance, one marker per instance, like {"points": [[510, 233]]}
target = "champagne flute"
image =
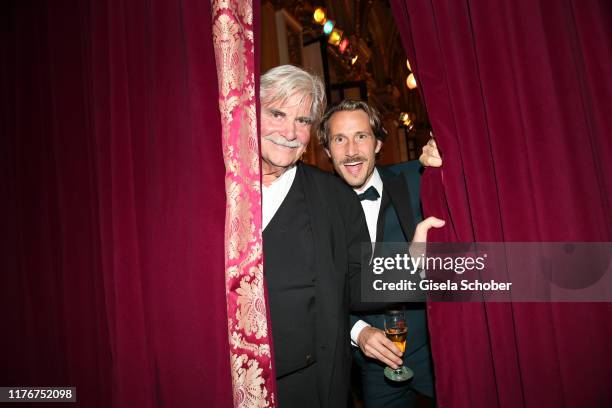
{"points": [[396, 331]]}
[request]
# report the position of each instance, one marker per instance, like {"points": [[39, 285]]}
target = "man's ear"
{"points": [[379, 144], [328, 153]]}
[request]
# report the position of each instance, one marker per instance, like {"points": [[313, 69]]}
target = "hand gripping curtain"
{"points": [[234, 35], [518, 94]]}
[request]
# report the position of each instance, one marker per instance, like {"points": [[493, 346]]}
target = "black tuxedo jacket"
{"points": [[401, 183], [338, 230]]}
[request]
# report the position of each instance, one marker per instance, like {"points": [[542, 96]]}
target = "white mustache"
{"points": [[282, 141]]}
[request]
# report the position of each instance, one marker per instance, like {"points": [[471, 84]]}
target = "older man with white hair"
{"points": [[313, 230]]}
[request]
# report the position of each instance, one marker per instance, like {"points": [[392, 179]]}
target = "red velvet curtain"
{"points": [[518, 93], [113, 203]]}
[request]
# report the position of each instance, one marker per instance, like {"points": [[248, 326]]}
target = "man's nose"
{"points": [[289, 132], [351, 148]]}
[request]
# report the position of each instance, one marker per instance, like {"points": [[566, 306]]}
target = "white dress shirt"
{"points": [[272, 196], [371, 208]]}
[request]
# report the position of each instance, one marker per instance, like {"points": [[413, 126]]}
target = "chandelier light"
{"points": [[411, 81]]}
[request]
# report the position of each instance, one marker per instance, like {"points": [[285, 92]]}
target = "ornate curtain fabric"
{"points": [[235, 27], [518, 93]]}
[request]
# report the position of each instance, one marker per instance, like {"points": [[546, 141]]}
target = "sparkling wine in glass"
{"points": [[397, 331]]}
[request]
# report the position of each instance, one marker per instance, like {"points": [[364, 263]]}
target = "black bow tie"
{"points": [[370, 194]]}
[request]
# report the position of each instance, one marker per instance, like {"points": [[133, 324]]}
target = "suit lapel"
{"points": [[327, 282], [380, 223], [399, 195]]}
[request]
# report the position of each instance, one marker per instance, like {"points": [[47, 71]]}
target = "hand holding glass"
{"points": [[396, 331]]}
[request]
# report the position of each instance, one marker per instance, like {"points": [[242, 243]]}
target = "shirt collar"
{"points": [[374, 181], [287, 175]]}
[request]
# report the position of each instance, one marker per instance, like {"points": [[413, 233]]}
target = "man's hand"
{"points": [[375, 344], [431, 156], [420, 232], [417, 247]]}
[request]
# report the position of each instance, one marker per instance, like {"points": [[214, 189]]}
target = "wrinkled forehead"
{"points": [[290, 100]]}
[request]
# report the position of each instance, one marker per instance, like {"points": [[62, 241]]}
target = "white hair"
{"points": [[279, 83]]}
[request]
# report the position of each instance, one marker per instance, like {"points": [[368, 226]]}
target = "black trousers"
{"points": [[299, 389]]}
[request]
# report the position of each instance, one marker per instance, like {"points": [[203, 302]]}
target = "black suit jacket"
{"points": [[339, 232], [401, 185], [401, 189]]}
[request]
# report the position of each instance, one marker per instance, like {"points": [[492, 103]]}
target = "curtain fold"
{"points": [[113, 178], [235, 27], [516, 94]]}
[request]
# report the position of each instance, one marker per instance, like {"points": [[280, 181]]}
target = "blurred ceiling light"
{"points": [[411, 81], [408, 65], [343, 44], [319, 15], [335, 37], [354, 60], [328, 27]]}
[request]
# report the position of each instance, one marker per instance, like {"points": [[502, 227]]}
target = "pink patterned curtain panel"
{"points": [[248, 329]]}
